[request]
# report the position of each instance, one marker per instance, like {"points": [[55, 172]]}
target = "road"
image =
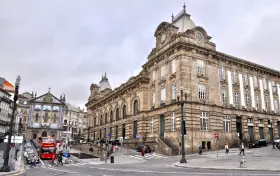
{"points": [[151, 167]]}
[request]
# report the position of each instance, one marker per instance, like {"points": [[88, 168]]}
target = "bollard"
{"points": [[242, 162], [112, 159]]}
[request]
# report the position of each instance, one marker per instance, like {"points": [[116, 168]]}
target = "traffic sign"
{"points": [[137, 136], [109, 134]]}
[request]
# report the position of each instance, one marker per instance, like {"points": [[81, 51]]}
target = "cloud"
{"points": [[68, 44]]}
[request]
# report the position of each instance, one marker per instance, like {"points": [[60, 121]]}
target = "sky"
{"points": [[68, 44]]}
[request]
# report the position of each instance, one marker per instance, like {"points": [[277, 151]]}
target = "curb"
{"points": [[215, 168], [76, 159]]}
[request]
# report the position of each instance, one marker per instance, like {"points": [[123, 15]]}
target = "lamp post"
{"points": [[6, 167], [181, 103]]}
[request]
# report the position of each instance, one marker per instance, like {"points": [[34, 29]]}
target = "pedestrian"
{"points": [[273, 144], [117, 147], [226, 147], [53, 159], [143, 152], [200, 149], [34, 160], [60, 158], [242, 149]]}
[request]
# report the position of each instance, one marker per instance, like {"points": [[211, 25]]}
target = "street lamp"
{"points": [[5, 167], [181, 103]]}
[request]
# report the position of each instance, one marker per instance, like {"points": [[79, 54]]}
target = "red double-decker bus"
{"points": [[48, 147]]}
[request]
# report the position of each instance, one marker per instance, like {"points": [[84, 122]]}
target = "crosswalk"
{"points": [[147, 156], [45, 166]]}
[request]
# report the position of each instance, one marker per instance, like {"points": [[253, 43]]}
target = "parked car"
{"points": [[259, 143], [276, 140], [30, 157], [147, 148]]}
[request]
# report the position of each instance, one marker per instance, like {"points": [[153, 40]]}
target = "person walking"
{"points": [[200, 149], [60, 158], [143, 152], [34, 160], [242, 149], [226, 147], [53, 159]]}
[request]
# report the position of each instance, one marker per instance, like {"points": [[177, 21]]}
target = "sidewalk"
{"points": [[256, 160]]}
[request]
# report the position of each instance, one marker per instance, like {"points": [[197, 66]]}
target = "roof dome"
{"points": [[104, 83], [183, 21]]}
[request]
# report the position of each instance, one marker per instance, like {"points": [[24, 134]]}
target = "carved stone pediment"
{"points": [[162, 81]]}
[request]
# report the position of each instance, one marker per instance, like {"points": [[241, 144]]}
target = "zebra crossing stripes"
{"points": [[147, 156]]}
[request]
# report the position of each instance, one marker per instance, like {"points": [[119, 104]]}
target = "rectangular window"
{"points": [[247, 99], [162, 96], [267, 103], [152, 126], [222, 73], [256, 81], [226, 122], [224, 96], [200, 66], [234, 76], [250, 120], [174, 91], [274, 88], [246, 79], [204, 121], [276, 105], [173, 66], [172, 121], [162, 71], [154, 75], [153, 99], [264, 84], [201, 92], [236, 98], [258, 101], [260, 121]]}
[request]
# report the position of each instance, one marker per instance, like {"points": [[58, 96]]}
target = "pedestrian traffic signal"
{"points": [[214, 135]]}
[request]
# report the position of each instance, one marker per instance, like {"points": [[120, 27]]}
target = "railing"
{"points": [[166, 149]]}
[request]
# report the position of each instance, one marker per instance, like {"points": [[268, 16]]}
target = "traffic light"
{"points": [[218, 136], [214, 135], [184, 125]]}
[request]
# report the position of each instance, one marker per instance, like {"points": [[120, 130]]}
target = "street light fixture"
{"points": [[181, 103], [6, 167]]}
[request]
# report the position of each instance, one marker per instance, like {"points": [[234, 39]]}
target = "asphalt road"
{"points": [[153, 167]]}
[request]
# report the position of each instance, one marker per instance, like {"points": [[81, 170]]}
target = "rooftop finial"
{"points": [[105, 75], [49, 90], [184, 7], [102, 77], [172, 17]]}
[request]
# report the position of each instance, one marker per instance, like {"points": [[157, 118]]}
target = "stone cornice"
{"points": [[141, 78], [182, 41]]}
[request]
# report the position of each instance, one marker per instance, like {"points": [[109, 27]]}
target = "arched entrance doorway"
{"points": [[44, 134]]}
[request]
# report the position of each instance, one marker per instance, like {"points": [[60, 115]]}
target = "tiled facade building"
{"points": [[46, 116], [233, 97]]}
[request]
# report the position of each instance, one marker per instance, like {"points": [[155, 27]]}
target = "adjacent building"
{"points": [[46, 115], [227, 95], [73, 123], [5, 111]]}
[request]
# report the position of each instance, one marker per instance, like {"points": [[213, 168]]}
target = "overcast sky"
{"points": [[68, 44]]}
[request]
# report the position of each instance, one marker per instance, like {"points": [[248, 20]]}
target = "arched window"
{"points": [[135, 107], [106, 117], [111, 116], [124, 111], [117, 114]]}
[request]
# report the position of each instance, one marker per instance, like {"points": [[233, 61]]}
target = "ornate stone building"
{"points": [[46, 116], [227, 95]]}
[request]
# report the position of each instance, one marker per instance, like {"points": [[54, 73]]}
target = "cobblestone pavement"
{"points": [[152, 167]]}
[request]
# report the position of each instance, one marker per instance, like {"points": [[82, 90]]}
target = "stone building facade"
{"points": [[46, 116], [230, 96]]}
